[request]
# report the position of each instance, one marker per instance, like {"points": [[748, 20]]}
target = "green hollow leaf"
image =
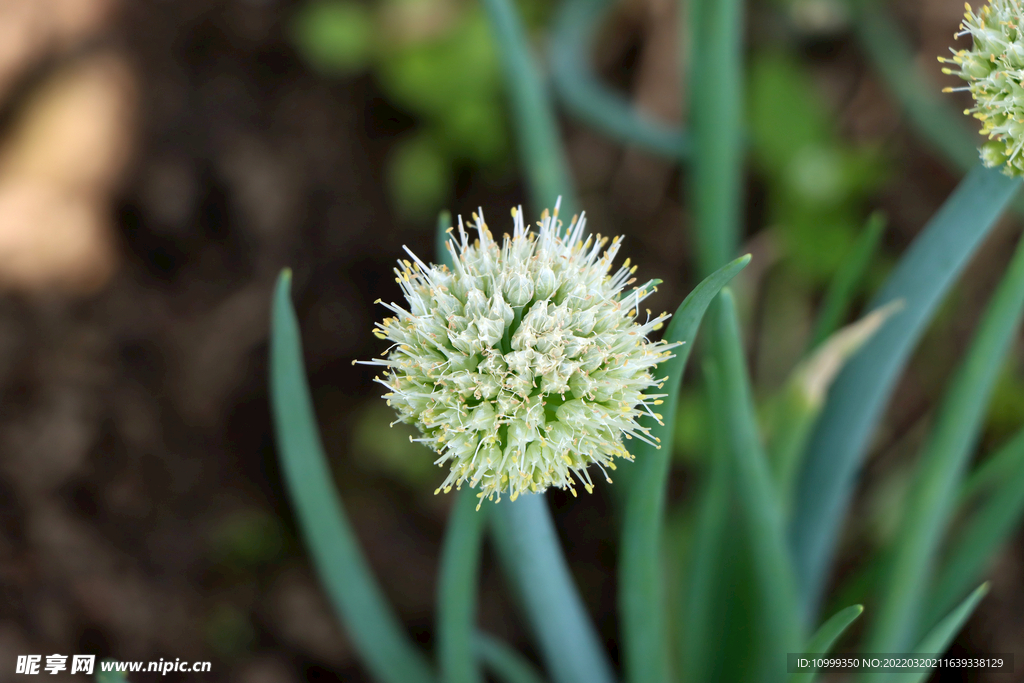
{"points": [[946, 455], [371, 624], [843, 287], [975, 545], [860, 393], [532, 557], [457, 584], [698, 632], [540, 147], [641, 599], [594, 103], [989, 475], [780, 630], [940, 637], [829, 632], [716, 123], [507, 665]]}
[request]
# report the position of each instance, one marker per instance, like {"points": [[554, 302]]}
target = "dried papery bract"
{"points": [[524, 363], [993, 68]]}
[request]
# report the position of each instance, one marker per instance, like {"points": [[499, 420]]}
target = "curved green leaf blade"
{"points": [[507, 665], [540, 147], [460, 564], [588, 99], [825, 638], [946, 455], [804, 397], [990, 474], [858, 397], [844, 285], [698, 630], [641, 603], [939, 638], [375, 631], [532, 556], [781, 629], [985, 532]]}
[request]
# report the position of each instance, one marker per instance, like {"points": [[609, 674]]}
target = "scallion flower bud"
{"points": [[993, 69], [524, 363]]}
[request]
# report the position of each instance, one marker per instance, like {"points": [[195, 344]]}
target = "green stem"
{"points": [[460, 563], [372, 626], [716, 122], [528, 548], [781, 629], [540, 145], [698, 625], [588, 99], [507, 665], [641, 595]]}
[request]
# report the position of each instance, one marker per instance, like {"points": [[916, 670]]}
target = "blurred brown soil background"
{"points": [[160, 162]]}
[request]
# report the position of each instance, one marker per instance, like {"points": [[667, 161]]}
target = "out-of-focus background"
{"points": [[161, 161]]}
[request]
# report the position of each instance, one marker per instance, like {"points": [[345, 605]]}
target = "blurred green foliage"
{"points": [[387, 450], [108, 676], [334, 37], [247, 540], [434, 59], [419, 175], [1007, 409], [692, 440], [817, 183], [228, 631]]}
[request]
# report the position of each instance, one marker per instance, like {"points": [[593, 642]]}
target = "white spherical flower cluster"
{"points": [[994, 69], [523, 364]]}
